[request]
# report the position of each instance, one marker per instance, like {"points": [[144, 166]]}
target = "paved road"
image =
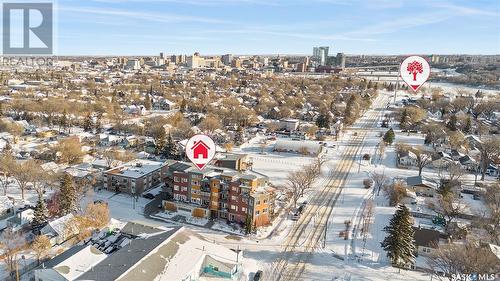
{"points": [[307, 233]]}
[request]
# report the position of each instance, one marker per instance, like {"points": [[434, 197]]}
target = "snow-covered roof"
{"points": [[311, 146], [137, 168], [73, 264], [60, 225]]}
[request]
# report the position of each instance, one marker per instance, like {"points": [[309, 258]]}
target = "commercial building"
{"points": [[227, 59], [340, 60], [139, 252], [195, 61], [320, 55]]}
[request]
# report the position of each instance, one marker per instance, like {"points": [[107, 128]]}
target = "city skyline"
{"points": [[257, 27]]}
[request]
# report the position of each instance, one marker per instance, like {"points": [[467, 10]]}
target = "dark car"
{"points": [[100, 202], [148, 196], [257, 276]]}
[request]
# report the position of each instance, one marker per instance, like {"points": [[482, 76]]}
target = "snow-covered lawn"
{"points": [[223, 226], [186, 216]]}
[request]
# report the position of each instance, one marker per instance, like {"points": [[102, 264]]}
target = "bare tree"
{"points": [[489, 149], [379, 180], [297, 183], [448, 207], [491, 222], [23, 174], [70, 150], [423, 159], [454, 172], [466, 259], [7, 163], [41, 245], [395, 192], [381, 150], [11, 243]]}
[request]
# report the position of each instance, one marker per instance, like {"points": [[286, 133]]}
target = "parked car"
{"points": [[99, 201], [258, 276], [148, 196]]}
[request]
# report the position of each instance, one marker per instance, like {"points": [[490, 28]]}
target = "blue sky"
{"points": [[145, 27]]}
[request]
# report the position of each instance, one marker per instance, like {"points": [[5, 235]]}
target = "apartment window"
{"points": [[184, 180], [234, 198], [195, 182], [265, 201], [243, 209], [235, 188], [257, 212], [176, 179], [176, 187], [264, 211], [184, 188], [258, 202]]}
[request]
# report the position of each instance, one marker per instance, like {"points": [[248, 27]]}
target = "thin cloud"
{"points": [[147, 16], [313, 36]]}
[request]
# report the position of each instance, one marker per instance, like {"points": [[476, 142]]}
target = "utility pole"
{"points": [[396, 88], [324, 237]]}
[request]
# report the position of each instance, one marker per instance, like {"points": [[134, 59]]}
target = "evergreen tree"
{"points": [[452, 123], [404, 122], [323, 120], [98, 125], [174, 149], [239, 136], [63, 121], [389, 136], [67, 197], [40, 214], [468, 125], [248, 225], [87, 123], [160, 141], [7, 148], [390, 88], [170, 149], [147, 103], [399, 243]]}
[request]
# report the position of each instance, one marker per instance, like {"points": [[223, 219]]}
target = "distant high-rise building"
{"points": [[301, 67], [161, 56], [341, 60], [236, 63], [227, 59], [320, 55], [133, 64], [306, 61], [195, 61]]}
